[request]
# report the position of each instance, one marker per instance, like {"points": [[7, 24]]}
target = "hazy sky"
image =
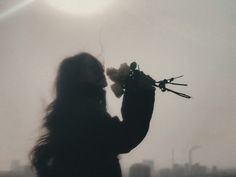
{"points": [[167, 38]]}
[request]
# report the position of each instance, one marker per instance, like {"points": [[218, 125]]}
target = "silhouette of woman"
{"points": [[81, 139]]}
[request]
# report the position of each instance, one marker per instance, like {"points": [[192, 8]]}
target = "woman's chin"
{"points": [[104, 84]]}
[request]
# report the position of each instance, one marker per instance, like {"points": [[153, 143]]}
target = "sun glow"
{"points": [[17, 6], [81, 7]]}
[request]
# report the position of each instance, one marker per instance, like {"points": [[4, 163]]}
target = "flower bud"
{"points": [[117, 90]]}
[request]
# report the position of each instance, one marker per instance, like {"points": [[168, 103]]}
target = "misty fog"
{"points": [[166, 38]]}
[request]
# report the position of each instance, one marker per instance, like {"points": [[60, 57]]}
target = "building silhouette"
{"points": [[18, 170], [151, 164], [140, 170]]}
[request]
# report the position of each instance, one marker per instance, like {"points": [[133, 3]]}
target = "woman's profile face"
{"points": [[94, 75]]}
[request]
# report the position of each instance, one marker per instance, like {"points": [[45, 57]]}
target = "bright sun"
{"points": [[81, 7]]}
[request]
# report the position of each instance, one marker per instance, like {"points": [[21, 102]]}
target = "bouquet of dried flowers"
{"points": [[125, 72]]}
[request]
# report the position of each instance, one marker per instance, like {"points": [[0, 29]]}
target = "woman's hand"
{"points": [[145, 81]]}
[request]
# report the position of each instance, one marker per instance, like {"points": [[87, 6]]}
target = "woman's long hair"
{"points": [[74, 100]]}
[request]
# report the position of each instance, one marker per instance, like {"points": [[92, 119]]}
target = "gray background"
{"points": [[167, 38]]}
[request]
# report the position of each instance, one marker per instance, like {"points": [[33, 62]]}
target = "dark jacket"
{"points": [[101, 140]]}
